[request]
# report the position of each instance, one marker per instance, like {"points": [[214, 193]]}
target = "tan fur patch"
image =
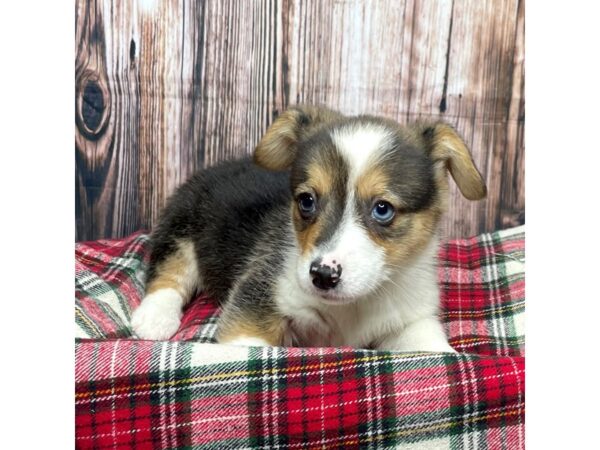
{"points": [[319, 179], [422, 228], [309, 235], [270, 329], [447, 145], [178, 271], [373, 184], [276, 151]]}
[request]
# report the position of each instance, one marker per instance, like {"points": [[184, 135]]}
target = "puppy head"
{"points": [[368, 194]]}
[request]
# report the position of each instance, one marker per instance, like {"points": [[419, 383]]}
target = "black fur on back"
{"points": [[224, 211]]}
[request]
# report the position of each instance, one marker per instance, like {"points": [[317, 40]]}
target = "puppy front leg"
{"points": [[249, 317], [172, 284], [426, 334]]}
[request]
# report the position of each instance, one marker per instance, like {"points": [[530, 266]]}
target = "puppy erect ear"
{"points": [[444, 144], [278, 147]]}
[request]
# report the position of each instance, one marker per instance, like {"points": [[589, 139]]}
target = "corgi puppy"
{"points": [[328, 238]]}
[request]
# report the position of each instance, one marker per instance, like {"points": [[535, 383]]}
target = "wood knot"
{"points": [[92, 105]]}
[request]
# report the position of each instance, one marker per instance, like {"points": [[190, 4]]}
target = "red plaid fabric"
{"points": [[192, 393]]}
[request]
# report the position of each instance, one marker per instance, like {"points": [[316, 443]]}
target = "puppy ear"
{"points": [[279, 146], [444, 144]]}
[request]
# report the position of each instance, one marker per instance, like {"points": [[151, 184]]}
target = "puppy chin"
{"points": [[334, 297]]}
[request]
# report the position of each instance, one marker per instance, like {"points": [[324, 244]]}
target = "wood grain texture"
{"points": [[166, 87]]}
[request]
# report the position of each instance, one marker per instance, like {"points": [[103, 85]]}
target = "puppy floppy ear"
{"points": [[444, 144], [279, 146]]}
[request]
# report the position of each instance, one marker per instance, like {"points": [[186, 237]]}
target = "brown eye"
{"points": [[383, 212], [307, 205]]}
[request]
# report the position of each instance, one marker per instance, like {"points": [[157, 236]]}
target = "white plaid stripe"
{"points": [[490, 269]]}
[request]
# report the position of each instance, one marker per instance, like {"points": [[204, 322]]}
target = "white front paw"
{"points": [[159, 315]]}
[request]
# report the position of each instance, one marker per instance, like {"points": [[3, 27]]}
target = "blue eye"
{"points": [[306, 205], [383, 212]]}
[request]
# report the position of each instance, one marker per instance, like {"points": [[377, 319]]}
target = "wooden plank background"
{"points": [[166, 87]]}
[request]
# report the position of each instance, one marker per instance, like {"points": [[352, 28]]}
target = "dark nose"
{"points": [[324, 276]]}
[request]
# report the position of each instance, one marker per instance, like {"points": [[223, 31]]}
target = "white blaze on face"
{"points": [[361, 146], [362, 260]]}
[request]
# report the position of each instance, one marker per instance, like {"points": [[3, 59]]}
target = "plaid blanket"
{"points": [[192, 393]]}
